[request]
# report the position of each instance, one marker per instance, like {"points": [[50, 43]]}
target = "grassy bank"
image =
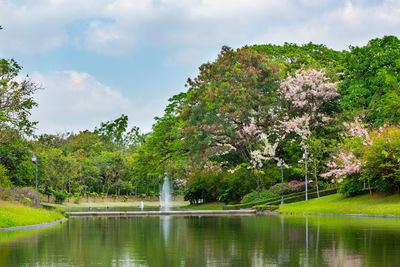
{"points": [[207, 206], [12, 215], [376, 204]]}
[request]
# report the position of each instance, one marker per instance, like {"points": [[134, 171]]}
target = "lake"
{"points": [[207, 241]]}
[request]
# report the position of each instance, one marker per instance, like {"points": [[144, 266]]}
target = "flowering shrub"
{"points": [[349, 159], [289, 187], [368, 158]]}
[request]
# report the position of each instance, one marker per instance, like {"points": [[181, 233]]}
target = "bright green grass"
{"points": [[12, 215], [207, 206], [377, 204]]}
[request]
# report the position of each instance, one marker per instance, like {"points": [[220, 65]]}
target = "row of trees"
{"points": [[264, 103]]}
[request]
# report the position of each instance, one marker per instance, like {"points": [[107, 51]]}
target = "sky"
{"points": [[98, 59]]}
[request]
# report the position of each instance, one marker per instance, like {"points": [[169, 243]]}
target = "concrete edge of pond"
{"points": [[160, 213], [32, 226], [327, 214]]}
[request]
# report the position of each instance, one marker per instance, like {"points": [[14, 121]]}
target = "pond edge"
{"points": [[326, 214], [32, 226]]}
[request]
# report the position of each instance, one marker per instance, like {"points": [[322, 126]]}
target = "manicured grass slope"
{"points": [[207, 206], [377, 204], [12, 215]]}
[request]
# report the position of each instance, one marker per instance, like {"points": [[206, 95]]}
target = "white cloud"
{"points": [[120, 26], [75, 101]]}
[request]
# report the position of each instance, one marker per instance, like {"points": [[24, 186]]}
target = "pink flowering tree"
{"points": [[307, 103], [348, 162]]}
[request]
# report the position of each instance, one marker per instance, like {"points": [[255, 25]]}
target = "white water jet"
{"points": [[141, 205], [165, 195]]}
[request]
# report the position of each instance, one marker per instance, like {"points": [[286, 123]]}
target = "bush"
{"points": [[125, 198], [60, 196], [47, 191], [94, 195], [4, 179], [251, 197], [210, 186], [288, 188], [382, 160], [27, 201], [235, 185], [19, 193], [351, 186], [202, 186], [77, 198]]}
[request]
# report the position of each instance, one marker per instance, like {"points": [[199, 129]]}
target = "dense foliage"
{"points": [[264, 104]]}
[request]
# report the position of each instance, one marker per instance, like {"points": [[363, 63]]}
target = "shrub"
{"points": [[351, 186], [77, 198], [27, 201], [289, 187], [202, 185], [125, 198], [4, 179], [251, 197], [382, 160], [60, 196], [19, 193], [47, 191], [235, 185], [94, 195]]}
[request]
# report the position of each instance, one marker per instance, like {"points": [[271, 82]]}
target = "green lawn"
{"points": [[207, 206], [12, 215], [377, 204]]}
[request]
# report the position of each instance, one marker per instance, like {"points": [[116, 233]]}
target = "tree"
{"points": [[16, 100], [371, 79], [226, 99], [292, 57]]}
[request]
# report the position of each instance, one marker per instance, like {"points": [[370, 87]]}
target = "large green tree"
{"points": [[371, 79], [227, 100]]}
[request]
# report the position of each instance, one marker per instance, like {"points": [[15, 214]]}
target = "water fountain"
{"points": [[141, 205], [165, 195]]}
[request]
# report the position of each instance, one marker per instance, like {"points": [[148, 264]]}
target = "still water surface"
{"points": [[207, 241]]}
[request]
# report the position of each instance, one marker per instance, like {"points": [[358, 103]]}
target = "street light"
{"points": [[34, 159], [281, 167], [305, 157], [259, 166]]}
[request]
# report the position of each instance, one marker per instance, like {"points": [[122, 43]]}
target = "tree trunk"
{"points": [[316, 179]]}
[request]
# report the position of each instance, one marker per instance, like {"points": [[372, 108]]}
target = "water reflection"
{"points": [[165, 224], [207, 241]]}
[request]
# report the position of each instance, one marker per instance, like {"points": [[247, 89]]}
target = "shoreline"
{"points": [[268, 213], [33, 226]]}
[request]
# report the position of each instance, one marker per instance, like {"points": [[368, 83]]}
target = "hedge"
{"points": [[256, 203], [272, 205], [294, 197]]}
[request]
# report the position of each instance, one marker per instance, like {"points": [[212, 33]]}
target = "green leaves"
{"points": [[16, 100], [371, 78]]}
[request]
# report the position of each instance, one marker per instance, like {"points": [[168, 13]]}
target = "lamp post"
{"points": [[281, 167], [259, 166], [305, 157], [34, 159]]}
